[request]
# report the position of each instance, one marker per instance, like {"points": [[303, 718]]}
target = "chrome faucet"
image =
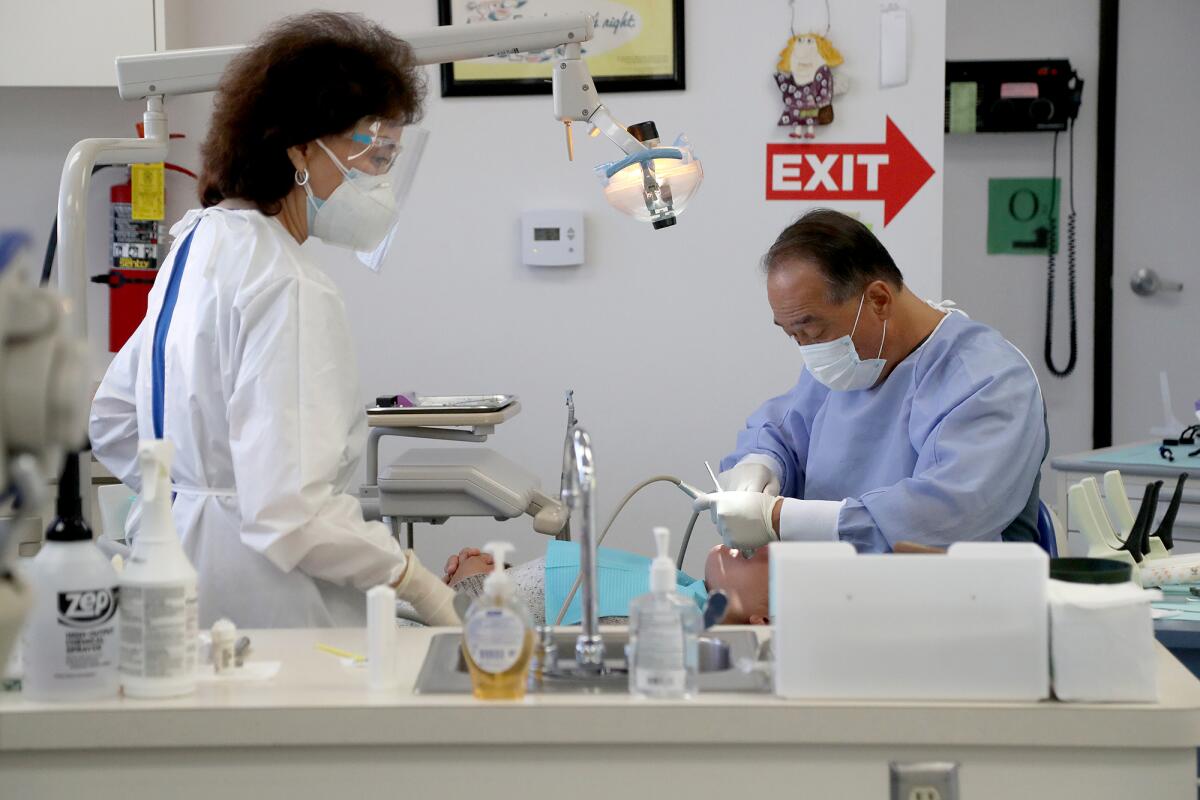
{"points": [[579, 488]]}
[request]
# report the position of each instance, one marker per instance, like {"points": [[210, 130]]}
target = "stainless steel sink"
{"points": [[720, 653]]}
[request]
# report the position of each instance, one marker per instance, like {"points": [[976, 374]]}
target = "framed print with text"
{"points": [[637, 46]]}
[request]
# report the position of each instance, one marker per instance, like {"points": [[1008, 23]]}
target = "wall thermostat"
{"points": [[552, 238]]}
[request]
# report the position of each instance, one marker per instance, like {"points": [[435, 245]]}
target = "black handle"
{"points": [[1133, 542], [1167, 526], [1155, 488]]}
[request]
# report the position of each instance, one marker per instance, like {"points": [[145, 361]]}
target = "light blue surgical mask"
{"points": [[836, 364]]}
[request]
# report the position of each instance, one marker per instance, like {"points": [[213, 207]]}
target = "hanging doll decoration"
{"points": [[807, 80]]}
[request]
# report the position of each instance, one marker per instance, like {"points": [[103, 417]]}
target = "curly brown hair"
{"points": [[307, 76]]}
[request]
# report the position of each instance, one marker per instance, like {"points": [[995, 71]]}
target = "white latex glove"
{"points": [[431, 599], [743, 518], [749, 477]]}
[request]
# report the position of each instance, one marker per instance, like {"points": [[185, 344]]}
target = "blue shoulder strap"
{"points": [[161, 326]]}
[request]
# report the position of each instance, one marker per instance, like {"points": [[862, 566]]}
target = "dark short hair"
{"points": [[307, 76], [845, 250]]}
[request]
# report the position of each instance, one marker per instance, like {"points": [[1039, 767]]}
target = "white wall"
{"points": [[665, 336], [1008, 291]]}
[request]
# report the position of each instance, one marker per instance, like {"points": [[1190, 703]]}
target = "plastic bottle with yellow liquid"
{"points": [[498, 634]]}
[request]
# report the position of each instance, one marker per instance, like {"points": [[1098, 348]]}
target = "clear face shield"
{"points": [[382, 160]]}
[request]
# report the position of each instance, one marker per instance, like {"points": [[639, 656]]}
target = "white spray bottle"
{"points": [[158, 610], [70, 639]]}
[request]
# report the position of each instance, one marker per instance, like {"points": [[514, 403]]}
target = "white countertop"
{"points": [[315, 700]]}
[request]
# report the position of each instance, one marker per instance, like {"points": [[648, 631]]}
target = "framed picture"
{"points": [[637, 46]]}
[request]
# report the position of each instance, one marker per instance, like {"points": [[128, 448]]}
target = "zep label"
{"points": [[86, 608], [495, 639], [86, 620]]}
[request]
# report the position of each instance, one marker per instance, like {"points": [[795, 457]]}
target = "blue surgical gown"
{"points": [[948, 448]]}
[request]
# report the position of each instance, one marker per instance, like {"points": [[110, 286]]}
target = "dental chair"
{"points": [[1050, 533]]}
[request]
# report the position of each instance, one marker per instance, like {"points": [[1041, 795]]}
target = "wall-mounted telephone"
{"points": [[1011, 96], [1016, 96]]}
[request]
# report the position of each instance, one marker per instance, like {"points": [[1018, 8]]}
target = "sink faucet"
{"points": [[579, 488]]}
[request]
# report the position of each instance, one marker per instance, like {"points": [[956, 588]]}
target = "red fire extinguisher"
{"points": [[136, 254]]}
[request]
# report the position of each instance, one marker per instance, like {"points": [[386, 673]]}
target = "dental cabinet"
{"points": [[315, 730]]}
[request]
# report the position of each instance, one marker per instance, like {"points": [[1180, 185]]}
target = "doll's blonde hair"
{"points": [[825, 49]]}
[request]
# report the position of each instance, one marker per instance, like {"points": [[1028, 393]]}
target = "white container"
{"points": [[158, 617], [381, 638], [223, 646], [70, 639], [969, 625], [1102, 643]]}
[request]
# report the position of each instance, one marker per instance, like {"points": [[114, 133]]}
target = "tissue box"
{"points": [[1102, 643]]}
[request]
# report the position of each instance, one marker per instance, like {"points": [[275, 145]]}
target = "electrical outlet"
{"points": [[929, 780]]}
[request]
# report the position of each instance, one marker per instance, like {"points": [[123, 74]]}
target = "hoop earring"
{"points": [[301, 177]]}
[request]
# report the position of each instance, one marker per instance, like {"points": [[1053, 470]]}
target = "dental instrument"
{"points": [[712, 475]]}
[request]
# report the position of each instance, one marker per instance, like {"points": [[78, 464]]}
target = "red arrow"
{"points": [[892, 172]]}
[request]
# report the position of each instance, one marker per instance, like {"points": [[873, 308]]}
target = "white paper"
{"points": [[248, 672]]}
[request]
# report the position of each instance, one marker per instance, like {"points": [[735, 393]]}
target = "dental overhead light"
{"points": [[654, 184]]}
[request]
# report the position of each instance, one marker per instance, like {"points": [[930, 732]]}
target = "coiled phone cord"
{"points": [[1049, 347]]}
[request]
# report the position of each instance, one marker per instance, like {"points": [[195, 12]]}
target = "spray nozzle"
{"points": [[154, 457], [497, 581]]}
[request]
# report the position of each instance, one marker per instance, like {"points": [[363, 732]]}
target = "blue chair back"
{"points": [[1045, 530]]}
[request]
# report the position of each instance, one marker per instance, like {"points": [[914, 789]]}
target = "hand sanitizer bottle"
{"points": [[498, 634], [663, 626]]}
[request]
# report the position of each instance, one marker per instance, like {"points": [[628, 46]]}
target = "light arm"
{"points": [[199, 69]]}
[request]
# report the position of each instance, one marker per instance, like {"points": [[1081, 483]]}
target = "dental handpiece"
{"points": [[746, 553]]}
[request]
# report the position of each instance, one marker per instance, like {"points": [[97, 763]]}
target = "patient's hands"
{"points": [[465, 563]]}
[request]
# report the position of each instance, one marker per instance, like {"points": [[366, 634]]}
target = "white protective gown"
{"points": [[262, 404]]}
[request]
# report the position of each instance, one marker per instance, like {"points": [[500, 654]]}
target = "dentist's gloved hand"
{"points": [[743, 518], [431, 599], [749, 477]]}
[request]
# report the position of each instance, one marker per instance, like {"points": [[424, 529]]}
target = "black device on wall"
{"points": [[1026, 96], [1012, 96]]}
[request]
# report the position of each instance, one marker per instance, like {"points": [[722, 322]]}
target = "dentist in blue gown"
{"points": [[909, 422]]}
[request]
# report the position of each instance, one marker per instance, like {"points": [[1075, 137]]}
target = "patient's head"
{"points": [[744, 581]]}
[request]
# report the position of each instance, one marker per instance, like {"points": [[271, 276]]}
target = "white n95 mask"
{"points": [[836, 364], [359, 214]]}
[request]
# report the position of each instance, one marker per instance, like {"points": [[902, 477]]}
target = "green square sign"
{"points": [[1019, 214]]}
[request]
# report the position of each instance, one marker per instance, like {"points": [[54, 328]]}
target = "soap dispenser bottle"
{"points": [[498, 634], [663, 630]]}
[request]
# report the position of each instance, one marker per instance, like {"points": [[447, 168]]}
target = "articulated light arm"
{"points": [[153, 76]]}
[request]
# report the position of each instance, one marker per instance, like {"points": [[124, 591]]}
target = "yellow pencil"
{"points": [[340, 653]]}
